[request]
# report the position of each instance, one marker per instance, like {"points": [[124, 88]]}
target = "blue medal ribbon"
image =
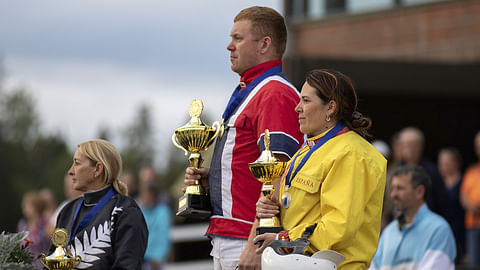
{"points": [[90, 213], [330, 134], [240, 94]]}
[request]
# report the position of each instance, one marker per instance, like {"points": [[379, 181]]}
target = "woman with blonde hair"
{"points": [[104, 222]]}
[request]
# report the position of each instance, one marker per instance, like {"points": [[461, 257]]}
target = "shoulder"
{"points": [[352, 145], [435, 223], [276, 86]]}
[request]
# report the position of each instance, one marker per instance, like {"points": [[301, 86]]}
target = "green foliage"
{"points": [[13, 255], [138, 151]]}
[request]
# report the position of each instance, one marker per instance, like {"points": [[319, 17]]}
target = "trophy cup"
{"points": [[267, 169], [59, 260], [195, 137]]}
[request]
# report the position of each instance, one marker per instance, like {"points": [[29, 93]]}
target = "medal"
{"points": [[286, 198]]}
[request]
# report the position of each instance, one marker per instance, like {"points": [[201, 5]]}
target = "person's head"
{"points": [[147, 175], [68, 189], [129, 179], [329, 97], [148, 194], [33, 206], [449, 161], [49, 197], [96, 164], [412, 142], [396, 147], [476, 143], [410, 186], [258, 35]]}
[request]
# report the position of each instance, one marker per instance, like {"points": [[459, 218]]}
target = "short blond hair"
{"points": [[104, 152]]}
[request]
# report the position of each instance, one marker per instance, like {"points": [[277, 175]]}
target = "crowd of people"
{"points": [[392, 211]]}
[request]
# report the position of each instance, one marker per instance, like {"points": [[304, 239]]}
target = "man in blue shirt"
{"points": [[419, 238]]}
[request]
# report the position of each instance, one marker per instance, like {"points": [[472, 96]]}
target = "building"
{"points": [[414, 62]]}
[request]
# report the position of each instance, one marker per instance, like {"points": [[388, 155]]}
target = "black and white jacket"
{"points": [[115, 238]]}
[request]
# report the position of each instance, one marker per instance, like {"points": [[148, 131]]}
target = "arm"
{"points": [[251, 255], [130, 239]]}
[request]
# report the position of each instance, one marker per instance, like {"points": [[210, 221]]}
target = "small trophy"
{"points": [[59, 260], [267, 169], [195, 137]]}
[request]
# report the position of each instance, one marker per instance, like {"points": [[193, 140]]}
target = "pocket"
{"points": [[238, 121], [306, 183]]}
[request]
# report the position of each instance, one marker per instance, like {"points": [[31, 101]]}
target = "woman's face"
{"points": [[82, 173], [312, 112]]}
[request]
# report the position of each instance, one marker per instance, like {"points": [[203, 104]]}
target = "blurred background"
{"points": [[127, 71]]}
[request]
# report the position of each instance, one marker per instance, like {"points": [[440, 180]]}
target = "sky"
{"points": [[92, 63]]}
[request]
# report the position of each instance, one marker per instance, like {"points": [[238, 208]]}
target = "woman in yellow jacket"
{"points": [[336, 180]]}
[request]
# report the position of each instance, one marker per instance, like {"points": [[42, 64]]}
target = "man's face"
{"points": [[405, 197], [411, 147], [244, 47]]}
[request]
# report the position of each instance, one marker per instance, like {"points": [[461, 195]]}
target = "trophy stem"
{"points": [[268, 189], [195, 160]]}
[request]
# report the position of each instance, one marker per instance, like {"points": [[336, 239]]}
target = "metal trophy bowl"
{"points": [[59, 259], [195, 137], [267, 169]]}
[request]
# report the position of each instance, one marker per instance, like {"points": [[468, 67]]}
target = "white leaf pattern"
{"points": [[99, 238]]}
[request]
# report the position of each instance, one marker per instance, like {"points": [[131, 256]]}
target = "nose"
{"points": [[70, 171], [230, 46], [298, 108]]}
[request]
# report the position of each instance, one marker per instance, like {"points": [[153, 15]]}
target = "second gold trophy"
{"points": [[267, 169]]}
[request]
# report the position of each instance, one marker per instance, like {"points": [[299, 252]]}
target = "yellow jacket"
{"points": [[341, 189]]}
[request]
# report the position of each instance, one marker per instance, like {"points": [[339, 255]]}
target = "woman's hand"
{"points": [[267, 238], [193, 174], [267, 207]]}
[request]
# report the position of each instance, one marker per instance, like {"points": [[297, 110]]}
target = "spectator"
{"points": [[449, 166], [70, 194], [129, 179], [33, 221], [470, 197], [412, 143], [263, 99], [418, 238], [158, 218]]}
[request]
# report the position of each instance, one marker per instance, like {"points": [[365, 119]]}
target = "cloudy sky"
{"points": [[91, 63]]}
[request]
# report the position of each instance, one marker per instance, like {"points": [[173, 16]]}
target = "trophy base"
{"points": [[262, 230], [194, 206]]}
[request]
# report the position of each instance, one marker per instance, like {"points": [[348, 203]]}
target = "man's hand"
{"points": [[193, 174], [249, 259]]}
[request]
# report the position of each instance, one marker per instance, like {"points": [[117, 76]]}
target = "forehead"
{"points": [[79, 155], [243, 27], [308, 90], [402, 180]]}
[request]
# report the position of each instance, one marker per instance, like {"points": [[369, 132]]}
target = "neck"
{"points": [[410, 214], [451, 178]]}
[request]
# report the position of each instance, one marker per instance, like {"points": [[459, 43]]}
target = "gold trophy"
{"points": [[59, 260], [195, 137], [267, 169]]}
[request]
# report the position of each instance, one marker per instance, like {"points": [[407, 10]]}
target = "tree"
{"points": [[139, 148]]}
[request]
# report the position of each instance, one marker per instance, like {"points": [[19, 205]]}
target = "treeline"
{"points": [[31, 159]]}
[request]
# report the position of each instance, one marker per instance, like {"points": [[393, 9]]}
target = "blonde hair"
{"points": [[104, 152]]}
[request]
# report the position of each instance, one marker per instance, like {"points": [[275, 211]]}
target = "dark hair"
{"points": [[266, 22], [419, 177], [334, 85]]}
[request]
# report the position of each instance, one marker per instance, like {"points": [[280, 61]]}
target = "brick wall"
{"points": [[447, 32]]}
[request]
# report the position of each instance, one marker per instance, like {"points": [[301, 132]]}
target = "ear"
{"points": [[99, 169], [264, 44], [331, 108], [420, 192]]}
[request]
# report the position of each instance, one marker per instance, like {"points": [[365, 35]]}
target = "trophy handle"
{"points": [[218, 129], [77, 261], [174, 140], [43, 261]]}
